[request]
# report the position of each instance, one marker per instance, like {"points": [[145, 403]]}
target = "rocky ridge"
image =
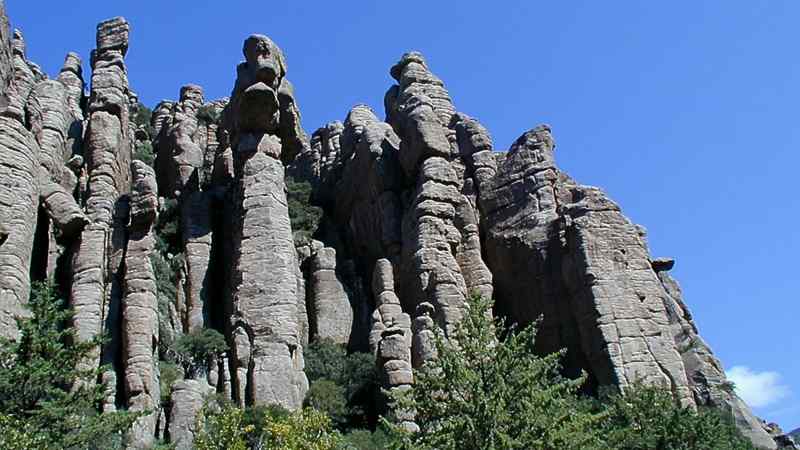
{"points": [[420, 211]]}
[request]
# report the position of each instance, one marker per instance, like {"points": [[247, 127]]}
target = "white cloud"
{"points": [[758, 389]]}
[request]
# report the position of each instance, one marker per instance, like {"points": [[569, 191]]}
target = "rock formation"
{"points": [[263, 325], [419, 213]]}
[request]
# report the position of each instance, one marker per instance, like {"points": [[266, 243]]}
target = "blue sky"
{"points": [[686, 112]]}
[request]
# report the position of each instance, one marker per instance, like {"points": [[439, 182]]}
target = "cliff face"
{"points": [[419, 212]]}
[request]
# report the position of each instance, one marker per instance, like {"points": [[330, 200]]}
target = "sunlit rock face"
{"points": [[420, 212]]}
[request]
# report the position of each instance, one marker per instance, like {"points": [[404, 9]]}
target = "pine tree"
{"points": [[489, 391], [46, 398]]}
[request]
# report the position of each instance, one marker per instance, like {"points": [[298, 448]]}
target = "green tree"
{"points": [[327, 396], [369, 440], [196, 350], [306, 429], [489, 390], [649, 418], [343, 385], [223, 429], [144, 153], [48, 400], [303, 216]]}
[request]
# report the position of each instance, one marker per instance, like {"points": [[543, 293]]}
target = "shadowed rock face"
{"points": [[419, 213]]}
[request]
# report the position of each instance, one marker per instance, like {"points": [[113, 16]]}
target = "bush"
{"points": [[223, 430], [648, 417], [46, 394], [304, 217], [328, 397], [229, 428], [208, 114], [196, 350], [144, 153], [350, 379], [487, 391], [142, 116], [367, 440], [305, 429], [167, 262], [169, 373]]}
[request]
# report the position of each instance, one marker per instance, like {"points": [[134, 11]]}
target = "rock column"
{"points": [[264, 330], [140, 310]]}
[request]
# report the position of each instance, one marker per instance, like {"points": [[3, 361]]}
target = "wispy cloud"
{"points": [[758, 389]]}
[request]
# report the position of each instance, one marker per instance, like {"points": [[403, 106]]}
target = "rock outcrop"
{"points": [[419, 213], [140, 309], [266, 348]]}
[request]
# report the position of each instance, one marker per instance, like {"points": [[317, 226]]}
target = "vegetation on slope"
{"points": [[304, 217], [48, 397]]}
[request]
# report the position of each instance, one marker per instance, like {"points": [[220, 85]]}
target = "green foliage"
{"points": [[222, 430], [648, 417], [47, 400], [305, 429], [490, 392], [337, 379], [168, 374], [144, 153], [304, 217], [230, 428], [208, 114], [327, 396], [197, 349], [142, 117], [369, 440], [167, 261]]}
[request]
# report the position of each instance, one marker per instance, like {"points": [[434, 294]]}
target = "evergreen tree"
{"points": [[48, 400], [486, 391], [649, 418]]}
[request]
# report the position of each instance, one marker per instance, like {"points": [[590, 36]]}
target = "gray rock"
{"points": [[187, 400], [329, 309], [140, 311]]}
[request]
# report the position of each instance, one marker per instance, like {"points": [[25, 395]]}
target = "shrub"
{"points": [[305, 429], [208, 114], [487, 391], [230, 428], [648, 417], [46, 394], [328, 397], [369, 440], [144, 153], [305, 218], [222, 430], [168, 374], [197, 349], [354, 376]]}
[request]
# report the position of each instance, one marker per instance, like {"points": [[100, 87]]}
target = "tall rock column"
{"points": [[140, 310], [19, 191], [441, 248], [390, 338], [263, 326], [96, 286]]}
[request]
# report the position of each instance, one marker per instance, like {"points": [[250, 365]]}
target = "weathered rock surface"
{"points": [[140, 310], [188, 398], [420, 212], [267, 351], [328, 306]]}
